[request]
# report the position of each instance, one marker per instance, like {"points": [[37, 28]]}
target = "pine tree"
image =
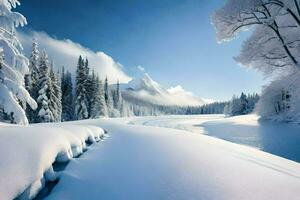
{"points": [[98, 106], [31, 80], [81, 102], [44, 82], [55, 95], [67, 96], [244, 107], [89, 86], [13, 65], [108, 99], [118, 97]]}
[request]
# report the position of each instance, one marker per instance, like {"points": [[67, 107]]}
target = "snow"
{"points": [[145, 89], [142, 162], [139, 162], [27, 154]]}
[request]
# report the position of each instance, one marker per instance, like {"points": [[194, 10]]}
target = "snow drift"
{"points": [[28, 153]]}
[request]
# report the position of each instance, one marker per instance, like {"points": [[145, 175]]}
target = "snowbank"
{"points": [[28, 154], [147, 163]]}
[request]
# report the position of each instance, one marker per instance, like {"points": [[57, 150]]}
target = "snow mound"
{"points": [[28, 154]]}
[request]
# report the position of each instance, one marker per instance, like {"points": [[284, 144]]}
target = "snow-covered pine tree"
{"points": [[43, 100], [98, 106], [68, 106], [58, 95], [13, 65], [106, 90], [89, 86], [31, 80], [55, 95], [118, 97], [244, 107], [109, 99], [67, 96], [81, 103]]}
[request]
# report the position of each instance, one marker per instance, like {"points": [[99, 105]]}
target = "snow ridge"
{"points": [[33, 157]]}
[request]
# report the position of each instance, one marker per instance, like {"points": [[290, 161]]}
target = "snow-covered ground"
{"points": [[146, 162], [28, 155]]}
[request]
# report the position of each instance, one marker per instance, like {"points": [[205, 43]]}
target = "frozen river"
{"points": [[281, 139]]}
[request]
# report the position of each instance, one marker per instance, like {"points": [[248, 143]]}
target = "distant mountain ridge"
{"points": [[145, 89]]}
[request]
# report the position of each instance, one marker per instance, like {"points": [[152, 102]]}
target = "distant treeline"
{"points": [[244, 104]]}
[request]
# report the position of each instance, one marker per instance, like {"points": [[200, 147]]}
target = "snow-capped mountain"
{"points": [[145, 89]]}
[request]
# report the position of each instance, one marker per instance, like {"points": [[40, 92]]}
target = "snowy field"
{"points": [[145, 162]]}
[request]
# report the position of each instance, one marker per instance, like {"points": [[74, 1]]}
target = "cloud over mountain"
{"points": [[66, 52], [147, 90]]}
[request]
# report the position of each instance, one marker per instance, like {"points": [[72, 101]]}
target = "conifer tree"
{"points": [[108, 99], [89, 86], [31, 80], [98, 106], [81, 102], [55, 95], [44, 82], [67, 96], [13, 65]]}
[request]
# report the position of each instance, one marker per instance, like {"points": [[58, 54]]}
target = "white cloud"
{"points": [[142, 69], [149, 90], [66, 52]]}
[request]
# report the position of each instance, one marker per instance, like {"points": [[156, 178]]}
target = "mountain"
{"points": [[145, 89]]}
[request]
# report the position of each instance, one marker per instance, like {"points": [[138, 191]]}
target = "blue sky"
{"points": [[172, 39]]}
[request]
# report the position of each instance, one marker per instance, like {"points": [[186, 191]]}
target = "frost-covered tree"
{"points": [[117, 97], [89, 86], [43, 100], [81, 102], [31, 79], [67, 96], [274, 43], [109, 99], [55, 95], [13, 65], [244, 104], [98, 107], [274, 46]]}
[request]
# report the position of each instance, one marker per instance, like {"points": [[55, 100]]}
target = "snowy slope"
{"points": [[28, 153], [139, 162], [145, 89]]}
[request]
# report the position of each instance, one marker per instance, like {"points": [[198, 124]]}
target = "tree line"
{"points": [[59, 100]]}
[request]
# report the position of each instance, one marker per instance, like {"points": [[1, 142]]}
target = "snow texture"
{"points": [[27, 154], [139, 162]]}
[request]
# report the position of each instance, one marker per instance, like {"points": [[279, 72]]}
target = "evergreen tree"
{"points": [[13, 65], [81, 102], [109, 99], [31, 80], [244, 107], [55, 95], [98, 106], [67, 96], [44, 82], [117, 97], [89, 86], [106, 90]]}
